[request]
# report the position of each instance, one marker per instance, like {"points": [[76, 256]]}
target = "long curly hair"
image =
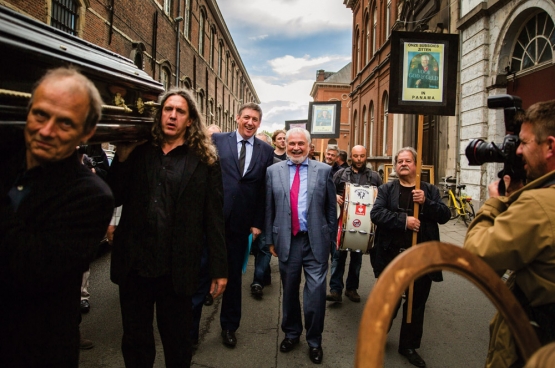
{"points": [[196, 135]]}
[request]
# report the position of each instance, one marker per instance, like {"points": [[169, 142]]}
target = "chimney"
{"points": [[320, 75]]}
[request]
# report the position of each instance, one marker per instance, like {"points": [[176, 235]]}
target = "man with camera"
{"points": [[515, 232]]}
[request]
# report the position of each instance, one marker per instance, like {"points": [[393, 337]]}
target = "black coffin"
{"points": [[29, 48]]}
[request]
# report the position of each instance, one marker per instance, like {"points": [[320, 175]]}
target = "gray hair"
{"points": [[407, 149], [298, 130]]}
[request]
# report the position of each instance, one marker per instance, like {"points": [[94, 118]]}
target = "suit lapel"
{"points": [[190, 166], [255, 154], [284, 176], [232, 141], [311, 184]]}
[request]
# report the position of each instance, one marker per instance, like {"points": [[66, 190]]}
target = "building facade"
{"points": [[182, 43], [507, 48], [334, 86]]}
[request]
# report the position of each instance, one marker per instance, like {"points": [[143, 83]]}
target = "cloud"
{"points": [[289, 65], [269, 89], [258, 38]]}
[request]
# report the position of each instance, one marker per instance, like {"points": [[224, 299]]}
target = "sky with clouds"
{"points": [[282, 44]]}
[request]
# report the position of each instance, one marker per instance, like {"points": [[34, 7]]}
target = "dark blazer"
{"points": [[199, 218], [390, 222], [44, 249], [244, 195]]}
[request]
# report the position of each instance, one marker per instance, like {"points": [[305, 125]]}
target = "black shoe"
{"points": [[413, 357], [228, 338], [208, 299], [256, 290], [85, 306], [288, 344], [316, 355]]}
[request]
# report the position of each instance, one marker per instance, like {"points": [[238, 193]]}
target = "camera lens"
{"points": [[479, 152]]}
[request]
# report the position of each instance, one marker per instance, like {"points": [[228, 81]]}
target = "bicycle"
{"points": [[459, 203]]}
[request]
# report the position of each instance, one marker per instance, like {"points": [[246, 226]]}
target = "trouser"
{"points": [[85, 285], [200, 295], [138, 295], [411, 333], [314, 293], [262, 257], [338, 270]]}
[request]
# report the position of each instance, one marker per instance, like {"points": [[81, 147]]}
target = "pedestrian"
{"points": [[358, 174], [172, 197], [278, 139], [393, 215], [53, 214], [301, 228], [244, 159], [515, 232]]}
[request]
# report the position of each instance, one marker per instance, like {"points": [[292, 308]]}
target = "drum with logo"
{"points": [[357, 229]]}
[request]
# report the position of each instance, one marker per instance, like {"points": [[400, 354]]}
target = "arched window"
{"points": [[211, 111], [355, 123], [232, 75], [372, 127], [137, 54], [65, 15], [386, 137], [165, 78], [220, 58], [186, 83], [200, 101], [212, 36], [167, 6], [535, 43], [187, 20], [358, 51], [367, 37], [388, 19], [201, 33], [374, 27], [364, 126], [227, 67]]}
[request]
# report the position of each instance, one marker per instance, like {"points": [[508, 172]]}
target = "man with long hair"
{"points": [[172, 197]]}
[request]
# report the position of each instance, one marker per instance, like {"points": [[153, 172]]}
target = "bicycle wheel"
{"points": [[448, 201], [469, 213]]}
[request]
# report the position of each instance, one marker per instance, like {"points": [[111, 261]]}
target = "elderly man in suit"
{"points": [[301, 227], [172, 196], [244, 159]]}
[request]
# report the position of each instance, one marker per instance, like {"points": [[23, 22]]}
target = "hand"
{"points": [[418, 196], [255, 232], [272, 250], [217, 287], [124, 149], [413, 223], [340, 200], [110, 233]]}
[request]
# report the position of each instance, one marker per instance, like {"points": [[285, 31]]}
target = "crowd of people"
{"points": [[192, 199]]}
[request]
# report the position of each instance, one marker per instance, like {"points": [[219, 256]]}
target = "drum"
{"points": [[357, 229]]}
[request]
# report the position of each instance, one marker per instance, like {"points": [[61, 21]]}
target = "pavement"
{"points": [[455, 327]]}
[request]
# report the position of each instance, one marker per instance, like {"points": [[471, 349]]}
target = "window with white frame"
{"points": [[187, 20], [201, 33], [167, 6], [385, 124], [371, 140], [535, 43], [374, 28]]}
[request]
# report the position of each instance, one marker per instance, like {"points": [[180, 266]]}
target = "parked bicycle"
{"points": [[459, 203]]}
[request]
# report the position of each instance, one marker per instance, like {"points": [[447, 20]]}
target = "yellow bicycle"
{"points": [[459, 203]]}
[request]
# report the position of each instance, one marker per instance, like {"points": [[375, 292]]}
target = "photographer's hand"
{"points": [[511, 187], [124, 149]]}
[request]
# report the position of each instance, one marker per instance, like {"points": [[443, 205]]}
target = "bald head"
{"points": [[358, 157]]}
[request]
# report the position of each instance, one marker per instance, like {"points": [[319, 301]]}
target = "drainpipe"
{"points": [[177, 21]]}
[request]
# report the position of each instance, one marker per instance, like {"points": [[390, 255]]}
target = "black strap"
{"points": [[543, 316]]}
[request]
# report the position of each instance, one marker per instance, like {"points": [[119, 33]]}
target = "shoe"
{"points": [[85, 306], [413, 357], [352, 295], [85, 344], [316, 355], [288, 344], [208, 299], [256, 290], [268, 282], [334, 296], [228, 338]]}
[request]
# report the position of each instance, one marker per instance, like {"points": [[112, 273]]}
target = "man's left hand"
{"points": [[418, 196], [218, 287], [255, 232]]}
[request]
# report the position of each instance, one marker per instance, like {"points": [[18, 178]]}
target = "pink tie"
{"points": [[295, 226]]}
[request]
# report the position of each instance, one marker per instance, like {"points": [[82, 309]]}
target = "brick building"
{"points": [[182, 43], [334, 86]]}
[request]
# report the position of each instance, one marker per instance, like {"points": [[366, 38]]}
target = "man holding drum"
{"points": [[359, 174]]}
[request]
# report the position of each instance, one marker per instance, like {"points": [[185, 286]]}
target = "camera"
{"points": [[479, 152]]}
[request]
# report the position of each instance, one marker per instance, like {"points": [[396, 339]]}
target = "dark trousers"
{"points": [[200, 295], [302, 259], [411, 333], [338, 270], [138, 295], [230, 315], [262, 256]]}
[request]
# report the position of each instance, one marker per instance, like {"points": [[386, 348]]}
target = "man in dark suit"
{"points": [[53, 213], [244, 159], [172, 197], [301, 228], [393, 215]]}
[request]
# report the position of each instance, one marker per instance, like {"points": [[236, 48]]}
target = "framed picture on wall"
{"points": [[296, 124], [324, 119]]}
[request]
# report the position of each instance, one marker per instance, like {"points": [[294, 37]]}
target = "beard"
{"points": [[297, 161]]}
